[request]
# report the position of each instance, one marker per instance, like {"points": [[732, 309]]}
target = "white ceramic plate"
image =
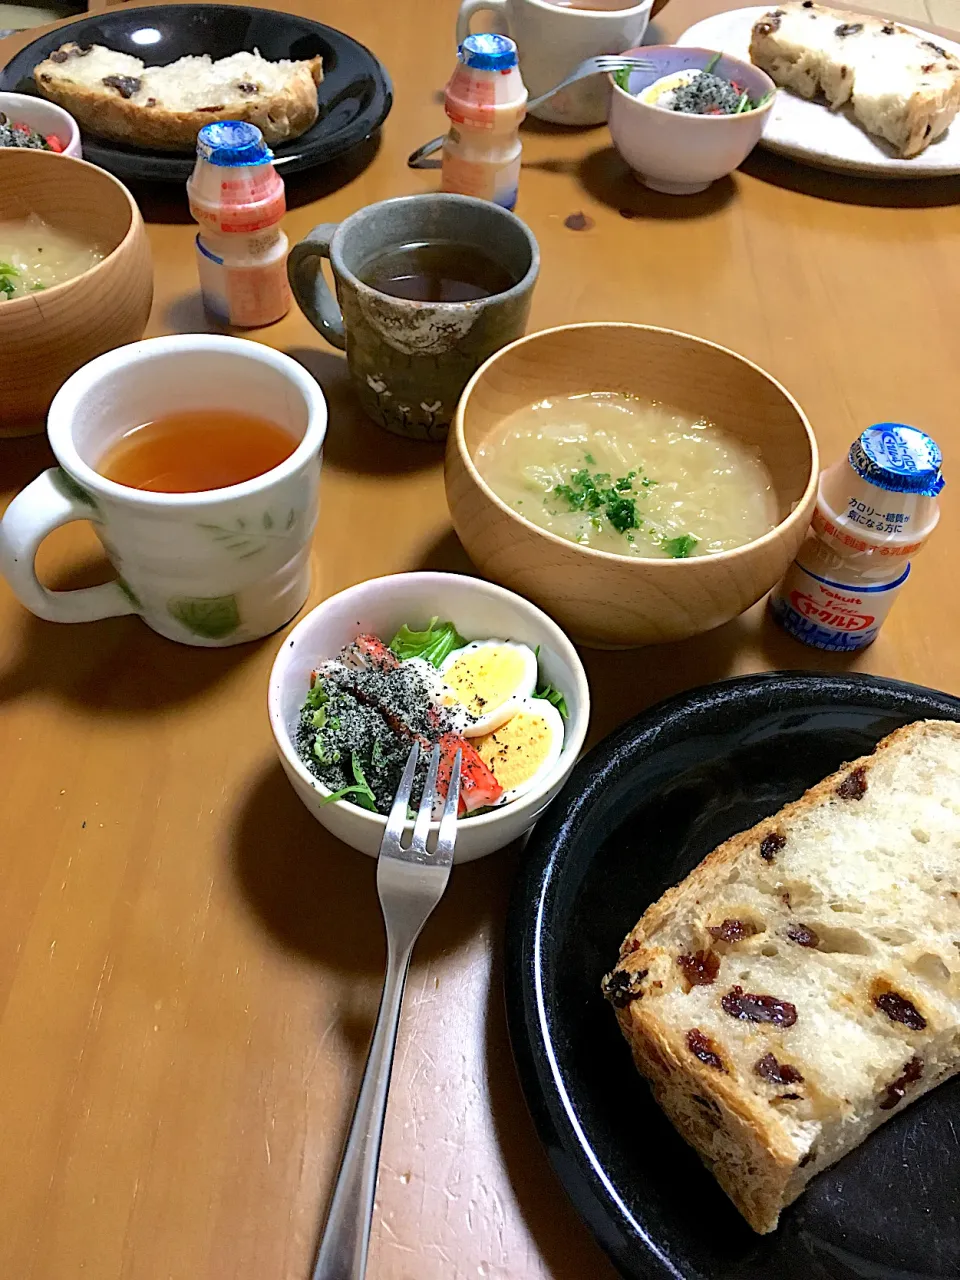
{"points": [[810, 131]]}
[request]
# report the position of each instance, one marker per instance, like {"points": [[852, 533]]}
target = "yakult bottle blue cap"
{"points": [[232, 143], [898, 458], [488, 52]]}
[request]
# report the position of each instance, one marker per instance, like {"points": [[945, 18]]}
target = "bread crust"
{"points": [[734, 1129], [104, 111]]}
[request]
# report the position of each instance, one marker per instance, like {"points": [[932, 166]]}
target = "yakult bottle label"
{"points": [[833, 615]]}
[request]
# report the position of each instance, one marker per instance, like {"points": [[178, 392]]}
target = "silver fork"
{"points": [[410, 882], [602, 64]]}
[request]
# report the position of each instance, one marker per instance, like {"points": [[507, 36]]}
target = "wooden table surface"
{"points": [[189, 964]]}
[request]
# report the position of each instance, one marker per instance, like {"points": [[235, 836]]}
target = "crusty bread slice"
{"points": [[116, 96], [803, 982], [900, 86]]}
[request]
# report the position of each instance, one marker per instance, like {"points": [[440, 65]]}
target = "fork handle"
{"points": [[342, 1254]]}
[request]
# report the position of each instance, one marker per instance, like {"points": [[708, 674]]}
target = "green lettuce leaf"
{"points": [[434, 645], [554, 696], [364, 797]]}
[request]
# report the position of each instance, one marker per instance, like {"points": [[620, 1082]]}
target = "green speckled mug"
{"points": [[213, 568], [411, 360]]}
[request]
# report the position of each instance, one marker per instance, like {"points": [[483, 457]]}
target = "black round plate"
{"points": [[355, 95], [639, 812]]}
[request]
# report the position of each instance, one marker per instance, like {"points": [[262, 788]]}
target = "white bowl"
{"points": [[678, 153], [45, 117], [479, 610]]}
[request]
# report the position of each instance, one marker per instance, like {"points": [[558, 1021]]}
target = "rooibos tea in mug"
{"points": [[197, 449], [436, 271]]}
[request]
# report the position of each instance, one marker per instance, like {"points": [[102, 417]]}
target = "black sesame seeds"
{"points": [[366, 719]]}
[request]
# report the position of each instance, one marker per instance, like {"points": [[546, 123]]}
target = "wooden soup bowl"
{"points": [[614, 601], [47, 336]]}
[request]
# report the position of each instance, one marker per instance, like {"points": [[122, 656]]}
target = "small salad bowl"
{"points": [[480, 611], [677, 152], [46, 118]]}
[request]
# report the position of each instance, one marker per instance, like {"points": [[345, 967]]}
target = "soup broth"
{"points": [[615, 473], [35, 256]]}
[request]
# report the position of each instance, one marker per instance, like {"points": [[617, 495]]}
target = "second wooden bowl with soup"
{"points": [[50, 331], [603, 598]]}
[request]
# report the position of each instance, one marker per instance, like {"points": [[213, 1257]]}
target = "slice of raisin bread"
{"points": [[803, 982], [900, 86], [114, 95]]}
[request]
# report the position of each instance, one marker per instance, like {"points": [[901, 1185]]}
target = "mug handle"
{"points": [[44, 505], [309, 287], [470, 7]]}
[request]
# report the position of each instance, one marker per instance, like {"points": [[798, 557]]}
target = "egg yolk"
{"points": [[514, 752], [485, 678]]}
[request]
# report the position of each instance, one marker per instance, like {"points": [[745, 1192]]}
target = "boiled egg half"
{"points": [[523, 751], [491, 678]]}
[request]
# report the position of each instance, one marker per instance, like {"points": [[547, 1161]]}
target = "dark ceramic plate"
{"points": [[354, 96], [639, 812]]}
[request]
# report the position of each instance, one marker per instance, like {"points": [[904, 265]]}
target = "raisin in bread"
{"points": [[116, 96], [900, 86], [803, 982]]}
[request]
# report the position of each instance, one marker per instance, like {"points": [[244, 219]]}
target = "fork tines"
{"points": [[391, 845]]}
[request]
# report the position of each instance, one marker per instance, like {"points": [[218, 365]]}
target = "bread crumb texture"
{"points": [[791, 994]]}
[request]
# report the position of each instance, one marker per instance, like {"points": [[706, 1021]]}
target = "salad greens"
{"points": [[549, 692], [554, 696], [365, 707], [363, 796], [434, 645], [704, 97]]}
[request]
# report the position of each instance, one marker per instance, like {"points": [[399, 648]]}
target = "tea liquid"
{"points": [[436, 271], [196, 449]]}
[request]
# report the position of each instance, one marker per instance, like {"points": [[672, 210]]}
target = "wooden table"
{"points": [[189, 965]]}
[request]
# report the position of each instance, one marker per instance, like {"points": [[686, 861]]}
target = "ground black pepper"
{"points": [[368, 716]]}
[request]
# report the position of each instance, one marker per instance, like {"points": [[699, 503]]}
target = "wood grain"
{"points": [[618, 601], [47, 336], [188, 981]]}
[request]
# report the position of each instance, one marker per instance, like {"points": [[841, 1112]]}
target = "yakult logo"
{"points": [[832, 614]]}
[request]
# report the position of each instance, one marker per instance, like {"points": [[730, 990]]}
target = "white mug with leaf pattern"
{"points": [[213, 568]]}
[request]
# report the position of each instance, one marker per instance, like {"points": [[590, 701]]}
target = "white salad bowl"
{"points": [[479, 610], [678, 153], [45, 117]]}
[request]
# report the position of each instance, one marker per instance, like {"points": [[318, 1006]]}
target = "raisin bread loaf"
{"points": [[900, 86], [803, 982], [114, 95]]}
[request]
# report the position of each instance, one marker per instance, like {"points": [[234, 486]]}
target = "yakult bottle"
{"points": [[486, 102], [875, 510], [237, 199]]}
